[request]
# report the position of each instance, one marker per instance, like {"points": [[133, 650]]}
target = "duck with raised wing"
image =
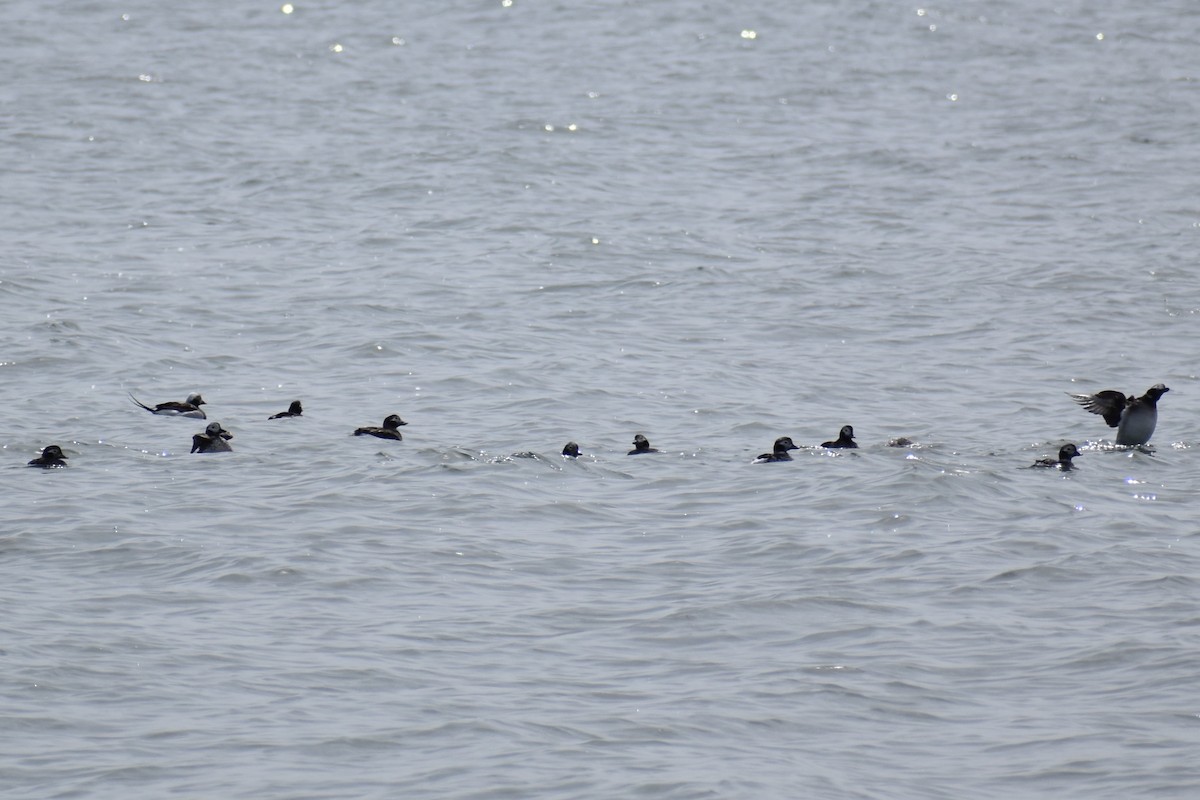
{"points": [[1134, 417]]}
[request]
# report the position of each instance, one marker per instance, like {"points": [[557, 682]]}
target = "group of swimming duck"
{"points": [[783, 444], [1134, 418], [215, 439]]}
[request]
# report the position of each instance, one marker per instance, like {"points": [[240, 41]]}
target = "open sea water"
{"points": [[521, 223]]}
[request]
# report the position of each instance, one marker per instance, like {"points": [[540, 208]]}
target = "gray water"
{"points": [[519, 225]]}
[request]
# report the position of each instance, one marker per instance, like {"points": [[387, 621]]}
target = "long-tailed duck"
{"points": [[213, 440], [52, 456], [1065, 454], [845, 439], [780, 451], [390, 429], [1133, 417], [188, 408], [641, 445], [294, 410]]}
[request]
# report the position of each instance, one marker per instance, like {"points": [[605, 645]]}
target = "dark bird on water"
{"points": [[845, 439], [188, 408], [294, 410], [390, 429], [641, 445], [1065, 454], [52, 456], [780, 452]]}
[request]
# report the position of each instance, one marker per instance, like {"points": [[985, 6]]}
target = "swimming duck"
{"points": [[188, 408], [294, 410], [571, 450], [1065, 454], [641, 445], [52, 456], [845, 439], [780, 451], [390, 429], [1133, 417], [213, 440]]}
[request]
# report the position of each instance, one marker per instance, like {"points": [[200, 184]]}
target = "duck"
{"points": [[390, 429], [845, 439], [213, 440], [188, 408], [571, 450], [780, 452], [294, 410], [52, 457], [1065, 454], [641, 445], [1134, 417]]}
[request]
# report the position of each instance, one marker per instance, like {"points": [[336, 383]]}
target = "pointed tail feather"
{"points": [[140, 403]]}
